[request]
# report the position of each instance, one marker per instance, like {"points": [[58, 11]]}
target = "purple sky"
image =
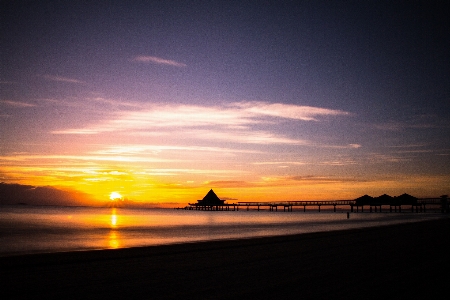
{"points": [[288, 100]]}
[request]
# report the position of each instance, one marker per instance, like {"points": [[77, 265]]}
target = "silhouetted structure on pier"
{"points": [[384, 199], [394, 202], [364, 200], [405, 199], [212, 202], [210, 199]]}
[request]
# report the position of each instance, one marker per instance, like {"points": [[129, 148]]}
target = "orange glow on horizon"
{"points": [[164, 190]]}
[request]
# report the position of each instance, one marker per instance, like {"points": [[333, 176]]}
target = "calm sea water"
{"points": [[29, 229]]}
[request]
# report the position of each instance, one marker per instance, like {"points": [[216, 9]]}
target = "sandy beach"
{"points": [[399, 261]]}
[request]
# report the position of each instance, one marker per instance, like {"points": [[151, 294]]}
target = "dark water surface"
{"points": [[33, 229]]}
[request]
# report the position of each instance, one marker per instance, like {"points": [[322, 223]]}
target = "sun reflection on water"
{"points": [[113, 238], [114, 241], [114, 218]]}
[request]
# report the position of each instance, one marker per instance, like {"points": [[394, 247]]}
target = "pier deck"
{"points": [[350, 205]]}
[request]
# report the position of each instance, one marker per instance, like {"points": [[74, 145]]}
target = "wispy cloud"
{"points": [[408, 146], [348, 146], [80, 131], [288, 111], [62, 79], [158, 60], [280, 163], [176, 172], [96, 103], [136, 149], [390, 158], [112, 158], [228, 121], [338, 162], [417, 124], [117, 103], [17, 103], [244, 136], [283, 181], [325, 179]]}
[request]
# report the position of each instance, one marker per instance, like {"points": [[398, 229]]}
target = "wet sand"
{"points": [[400, 261]]}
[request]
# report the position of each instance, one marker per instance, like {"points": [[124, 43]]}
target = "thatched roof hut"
{"points": [[364, 200], [386, 200], [405, 199], [210, 199], [383, 199]]}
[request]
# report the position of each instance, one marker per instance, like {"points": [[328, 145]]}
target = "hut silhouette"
{"points": [[405, 199], [364, 200], [383, 200], [386, 200], [210, 199]]}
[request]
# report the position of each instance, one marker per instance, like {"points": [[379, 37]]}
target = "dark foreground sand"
{"points": [[408, 261]]}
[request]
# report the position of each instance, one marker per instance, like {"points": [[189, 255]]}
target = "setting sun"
{"points": [[115, 196]]}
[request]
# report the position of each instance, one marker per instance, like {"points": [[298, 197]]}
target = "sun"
{"points": [[115, 196]]}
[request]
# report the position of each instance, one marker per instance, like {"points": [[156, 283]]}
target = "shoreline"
{"points": [[403, 259]]}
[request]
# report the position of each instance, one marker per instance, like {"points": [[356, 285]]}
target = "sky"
{"points": [[161, 101]]}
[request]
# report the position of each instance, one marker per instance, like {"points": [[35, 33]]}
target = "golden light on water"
{"points": [[113, 218], [113, 240]]}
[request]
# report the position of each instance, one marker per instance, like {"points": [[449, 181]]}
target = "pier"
{"points": [[393, 204], [421, 205]]}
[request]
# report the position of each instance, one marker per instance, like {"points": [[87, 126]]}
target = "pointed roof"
{"points": [[365, 197], [405, 199], [384, 197], [211, 197]]}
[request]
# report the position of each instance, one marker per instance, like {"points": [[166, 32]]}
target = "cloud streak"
{"points": [[158, 60], [288, 111], [251, 123], [139, 148], [245, 137], [62, 79], [233, 119], [17, 103]]}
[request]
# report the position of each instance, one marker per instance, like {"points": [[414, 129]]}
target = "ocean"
{"points": [[38, 229]]}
